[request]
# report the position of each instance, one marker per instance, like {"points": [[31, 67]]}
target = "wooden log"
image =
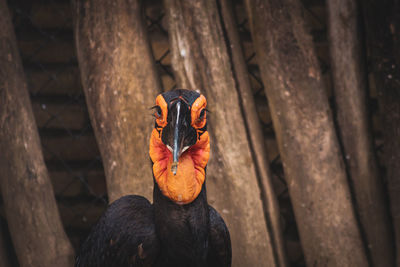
{"points": [[201, 61], [253, 129], [81, 214], [54, 15], [382, 30], [67, 147], [120, 84], [57, 79], [50, 114], [308, 144], [34, 48], [350, 92], [76, 183], [34, 222]]}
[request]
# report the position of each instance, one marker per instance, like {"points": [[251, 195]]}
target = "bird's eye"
{"points": [[158, 112], [202, 114]]}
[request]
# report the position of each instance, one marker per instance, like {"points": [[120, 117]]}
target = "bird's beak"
{"points": [[177, 140], [178, 135]]}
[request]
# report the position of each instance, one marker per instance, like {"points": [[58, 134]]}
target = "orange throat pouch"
{"points": [[185, 186]]}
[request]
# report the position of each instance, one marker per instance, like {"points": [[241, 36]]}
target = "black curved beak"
{"points": [[177, 139], [178, 135]]}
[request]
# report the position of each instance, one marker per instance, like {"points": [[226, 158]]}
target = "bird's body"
{"points": [[179, 228]]}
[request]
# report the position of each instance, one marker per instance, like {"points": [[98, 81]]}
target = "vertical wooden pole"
{"points": [[349, 79], [201, 61], [253, 128], [34, 222], [307, 141], [120, 84]]}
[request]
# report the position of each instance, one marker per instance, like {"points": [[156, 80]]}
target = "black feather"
{"points": [[124, 236]]}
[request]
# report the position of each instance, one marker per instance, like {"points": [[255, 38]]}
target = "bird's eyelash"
{"points": [[155, 107]]}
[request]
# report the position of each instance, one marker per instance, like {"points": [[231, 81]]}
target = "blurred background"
{"points": [[45, 40]]}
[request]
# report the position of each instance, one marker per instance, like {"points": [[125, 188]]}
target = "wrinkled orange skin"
{"points": [[197, 107], [160, 101], [185, 186]]}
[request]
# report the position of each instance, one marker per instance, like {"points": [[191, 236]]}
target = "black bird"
{"points": [[179, 228]]}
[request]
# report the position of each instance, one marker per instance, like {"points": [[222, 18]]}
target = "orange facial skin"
{"points": [[185, 186], [198, 105], [162, 120]]}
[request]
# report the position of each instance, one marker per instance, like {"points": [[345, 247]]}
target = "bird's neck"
{"points": [[182, 229]]}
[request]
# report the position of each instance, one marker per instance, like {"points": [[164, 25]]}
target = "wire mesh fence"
{"points": [[45, 38]]}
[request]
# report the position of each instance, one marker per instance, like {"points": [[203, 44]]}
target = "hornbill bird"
{"points": [[179, 228]]}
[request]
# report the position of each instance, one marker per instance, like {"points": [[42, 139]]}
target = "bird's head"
{"points": [[179, 144]]}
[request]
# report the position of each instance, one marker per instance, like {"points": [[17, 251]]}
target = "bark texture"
{"points": [[34, 222], [120, 84], [383, 37], [308, 144], [350, 81], [201, 61], [254, 131]]}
